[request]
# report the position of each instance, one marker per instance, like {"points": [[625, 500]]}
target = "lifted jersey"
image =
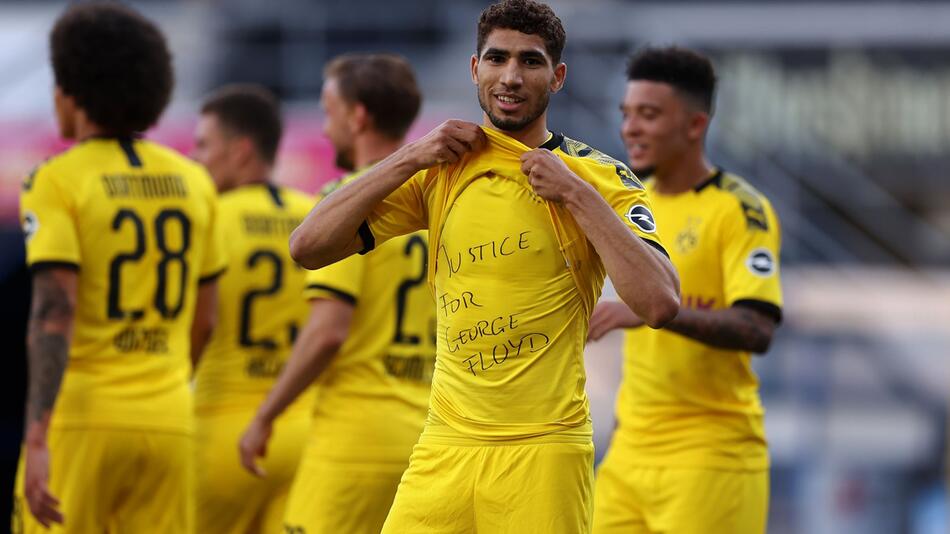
{"points": [[139, 223], [259, 304], [515, 280], [372, 400], [683, 403]]}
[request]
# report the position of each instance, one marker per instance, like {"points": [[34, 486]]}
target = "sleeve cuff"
{"points": [[657, 246], [44, 265], [761, 306], [337, 293], [212, 277], [369, 241]]}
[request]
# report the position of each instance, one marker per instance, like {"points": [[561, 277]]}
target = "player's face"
{"points": [[213, 150], [65, 114], [337, 114], [656, 124], [515, 78]]}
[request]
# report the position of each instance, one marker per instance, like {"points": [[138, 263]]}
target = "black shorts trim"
{"points": [[44, 265], [657, 246], [341, 295], [763, 307], [212, 277], [369, 241]]}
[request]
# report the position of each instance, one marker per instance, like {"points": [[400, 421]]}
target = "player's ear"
{"points": [[560, 74], [359, 118], [475, 69], [244, 149], [698, 122]]}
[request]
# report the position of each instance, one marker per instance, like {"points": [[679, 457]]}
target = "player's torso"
{"points": [[680, 395], [143, 216], [260, 303], [511, 323], [374, 396]]}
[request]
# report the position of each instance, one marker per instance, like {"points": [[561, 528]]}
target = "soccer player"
{"points": [[523, 226], [122, 242], [689, 455], [259, 314], [370, 338]]}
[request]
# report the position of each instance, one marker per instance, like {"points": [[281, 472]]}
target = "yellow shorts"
{"points": [[543, 488], [330, 497], [113, 480], [229, 499], [632, 499]]}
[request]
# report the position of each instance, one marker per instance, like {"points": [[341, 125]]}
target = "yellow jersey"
{"points": [[684, 403], [515, 280], [259, 306], [371, 402], [139, 223]]}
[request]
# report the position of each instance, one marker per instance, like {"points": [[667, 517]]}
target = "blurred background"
{"points": [[838, 111]]}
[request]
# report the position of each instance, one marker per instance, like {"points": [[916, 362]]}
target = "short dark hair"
{"points": [[525, 16], [115, 63], [384, 84], [251, 111], [686, 70]]}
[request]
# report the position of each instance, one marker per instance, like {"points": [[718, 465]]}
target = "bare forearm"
{"points": [[48, 336], [330, 232], [735, 328], [644, 279], [305, 365], [206, 315]]}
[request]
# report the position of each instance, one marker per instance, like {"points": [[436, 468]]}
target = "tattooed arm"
{"points": [[739, 327], [48, 336]]}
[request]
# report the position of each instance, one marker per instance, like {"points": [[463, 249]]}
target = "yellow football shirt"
{"points": [[684, 403], [515, 280], [373, 398], [139, 222], [259, 306]]}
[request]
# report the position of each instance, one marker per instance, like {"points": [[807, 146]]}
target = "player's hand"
{"points": [[610, 315], [548, 174], [446, 144], [43, 506], [253, 445]]}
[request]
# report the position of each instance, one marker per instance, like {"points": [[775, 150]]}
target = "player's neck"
{"points": [[686, 175], [533, 135], [370, 148], [86, 129], [254, 173]]}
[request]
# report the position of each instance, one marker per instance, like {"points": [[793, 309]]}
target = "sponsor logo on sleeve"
{"points": [[30, 225], [761, 262], [640, 216]]}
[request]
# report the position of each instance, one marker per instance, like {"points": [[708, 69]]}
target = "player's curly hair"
{"points": [[115, 63], [248, 110], [688, 71], [383, 83], [525, 16]]}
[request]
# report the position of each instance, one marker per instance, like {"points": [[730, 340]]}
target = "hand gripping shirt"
{"points": [[682, 402], [259, 306], [515, 280], [140, 224]]}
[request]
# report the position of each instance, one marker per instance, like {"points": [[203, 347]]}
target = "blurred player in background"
{"points": [[689, 455], [259, 314], [523, 224], [122, 241], [370, 340]]}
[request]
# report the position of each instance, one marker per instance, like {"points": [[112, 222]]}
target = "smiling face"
{"points": [[515, 78], [659, 125]]}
